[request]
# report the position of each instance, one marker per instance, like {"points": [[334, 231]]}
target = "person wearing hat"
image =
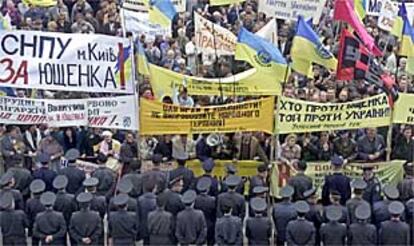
{"points": [[380, 208], [122, 225], [358, 186], [335, 198], [50, 225], [34, 206], [182, 171], [75, 175], [147, 202], [172, 195], [258, 227], [7, 186], [361, 232], [44, 172], [229, 228], [65, 202], [336, 181], [405, 186], [106, 176], [260, 179], [135, 177], [300, 231], [13, 223], [191, 227], [207, 204], [409, 217], [12, 148], [231, 170], [258, 192], [283, 212], [239, 204], [315, 211], [372, 193], [98, 203], [161, 224], [155, 174], [333, 232], [109, 147], [50, 146], [22, 178], [300, 182], [345, 146], [208, 166], [124, 187], [394, 231], [86, 227]]}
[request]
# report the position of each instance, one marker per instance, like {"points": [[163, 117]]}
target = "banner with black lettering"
{"points": [[69, 62]]}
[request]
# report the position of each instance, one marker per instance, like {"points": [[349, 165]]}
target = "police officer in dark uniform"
{"points": [[359, 185], [239, 204], [182, 171], [336, 181], [394, 231], [124, 187], [208, 166], [74, 174], [122, 225], [65, 202], [161, 226], [135, 177], [98, 203], [315, 211], [335, 202], [22, 178], [155, 174], [300, 182], [147, 202], [258, 192], [260, 179], [191, 227], [259, 227], [85, 225], [229, 228], [333, 232], [300, 231], [207, 204], [13, 223], [231, 170], [372, 193], [172, 195], [409, 215], [34, 206], [406, 186], [380, 208], [44, 173], [106, 177], [283, 212], [50, 226], [7, 186], [361, 232]]}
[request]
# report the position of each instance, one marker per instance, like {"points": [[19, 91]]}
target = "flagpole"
{"points": [[216, 65]]}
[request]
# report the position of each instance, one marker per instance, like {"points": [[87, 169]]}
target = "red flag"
{"points": [[344, 11]]}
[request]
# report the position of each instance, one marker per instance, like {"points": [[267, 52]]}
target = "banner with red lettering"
{"points": [[113, 113], [69, 62]]}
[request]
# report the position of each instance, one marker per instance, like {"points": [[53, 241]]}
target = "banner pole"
{"points": [[389, 136]]}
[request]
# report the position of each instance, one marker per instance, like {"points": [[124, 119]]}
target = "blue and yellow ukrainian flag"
{"points": [[308, 49], [261, 54], [397, 28], [407, 39], [142, 62], [161, 12], [359, 7]]}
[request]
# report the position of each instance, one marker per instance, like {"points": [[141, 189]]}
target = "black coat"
{"points": [[229, 230], [146, 204], [173, 202], [362, 234], [107, 181], [122, 227], [161, 227], [394, 233], [191, 227], [207, 204], [187, 174], [86, 223], [52, 223], [258, 230], [13, 224], [283, 213], [75, 179], [66, 204], [239, 205], [338, 182]]}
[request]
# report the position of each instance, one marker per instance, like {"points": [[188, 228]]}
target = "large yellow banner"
{"points": [[249, 83], [404, 109], [157, 118], [302, 116], [224, 2], [41, 3]]}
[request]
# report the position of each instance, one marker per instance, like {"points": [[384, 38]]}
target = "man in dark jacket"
{"points": [[259, 227], [371, 147], [106, 177], [283, 212], [122, 225], [13, 223], [229, 228], [74, 175], [361, 232], [336, 181], [22, 178], [34, 206], [155, 174], [186, 174], [239, 204], [65, 202], [128, 152], [208, 166], [207, 204], [404, 146], [7, 186], [406, 186], [135, 177], [146, 204], [300, 182], [161, 226], [44, 173], [300, 231], [394, 231]]}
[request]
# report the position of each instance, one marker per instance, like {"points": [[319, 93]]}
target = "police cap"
{"points": [[90, 182], [121, 199], [359, 184], [48, 198], [43, 158], [232, 180], [363, 212], [60, 182], [337, 160], [302, 207], [286, 191], [258, 204], [189, 197], [72, 155], [6, 178], [231, 169], [309, 192], [37, 186], [391, 192], [208, 165], [84, 197], [334, 213], [203, 184], [6, 200], [396, 208], [125, 186], [260, 190]]}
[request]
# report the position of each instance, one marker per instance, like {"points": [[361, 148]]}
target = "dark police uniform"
{"points": [[146, 204], [231, 170], [50, 222], [65, 203], [300, 182], [283, 212], [5, 180], [207, 204], [173, 202], [161, 227], [44, 173], [124, 187], [13, 223], [191, 227], [359, 186], [394, 232], [74, 175], [259, 227], [406, 186], [229, 230], [300, 231], [208, 166], [107, 181], [239, 206], [333, 232], [85, 223], [186, 174], [380, 209], [22, 179], [34, 206], [122, 225], [257, 180], [361, 232], [98, 203], [260, 192], [135, 178], [338, 182], [315, 212], [344, 218], [372, 193]]}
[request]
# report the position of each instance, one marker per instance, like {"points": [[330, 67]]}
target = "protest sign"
{"points": [[291, 9], [373, 7], [302, 116], [157, 118], [139, 24], [404, 109], [141, 5], [224, 2], [165, 82], [69, 62], [66, 113], [387, 16], [40, 3], [14, 110]]}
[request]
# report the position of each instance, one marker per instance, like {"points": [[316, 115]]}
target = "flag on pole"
{"points": [[397, 28], [359, 7], [161, 12], [407, 39], [142, 62]]}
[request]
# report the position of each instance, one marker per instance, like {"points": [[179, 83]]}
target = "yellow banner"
{"points": [[41, 3], [387, 172], [301, 116], [157, 118], [248, 83], [224, 2], [404, 109]]}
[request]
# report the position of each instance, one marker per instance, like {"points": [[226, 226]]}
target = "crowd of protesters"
{"points": [[63, 203]]}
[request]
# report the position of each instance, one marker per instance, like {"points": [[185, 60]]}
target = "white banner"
{"points": [[138, 24], [291, 9], [69, 62], [114, 113], [207, 34], [138, 5], [387, 15], [373, 7]]}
